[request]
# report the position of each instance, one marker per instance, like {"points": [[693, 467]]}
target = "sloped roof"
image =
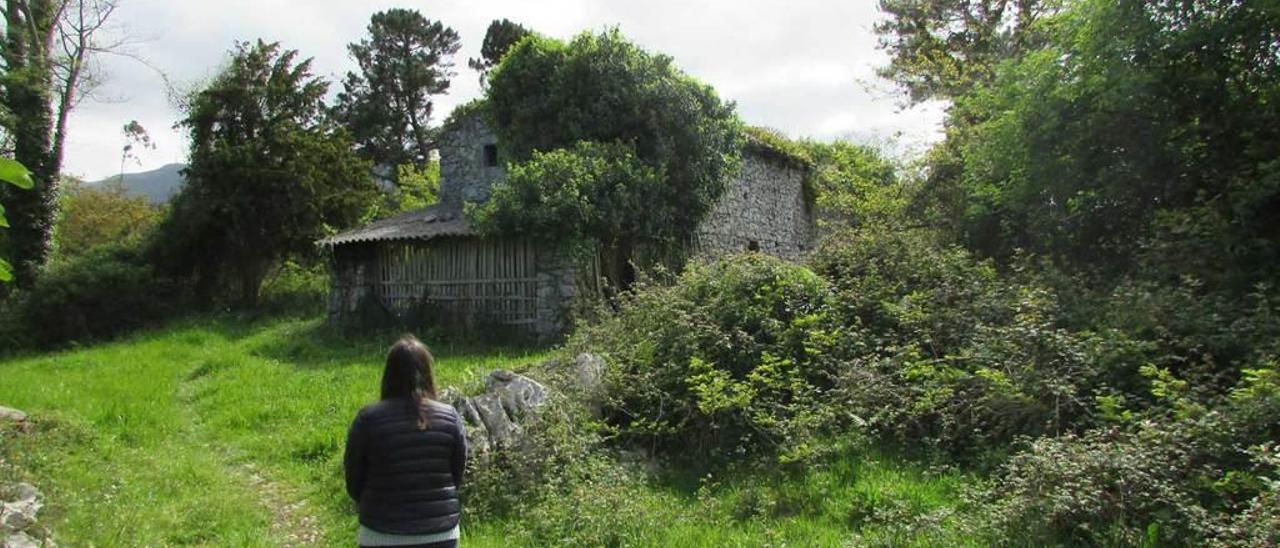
{"points": [[422, 224]]}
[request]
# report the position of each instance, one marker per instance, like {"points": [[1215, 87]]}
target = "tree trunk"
{"points": [[30, 26], [251, 276], [618, 268]]}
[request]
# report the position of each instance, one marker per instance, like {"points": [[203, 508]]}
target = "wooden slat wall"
{"points": [[491, 279]]}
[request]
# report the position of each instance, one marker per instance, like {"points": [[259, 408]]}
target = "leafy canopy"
{"points": [[502, 34], [91, 216], [578, 193], [626, 113], [941, 49], [856, 183], [1134, 123], [387, 106], [268, 174]]}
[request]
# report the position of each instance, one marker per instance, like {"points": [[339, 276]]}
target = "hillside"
{"points": [[158, 185]]}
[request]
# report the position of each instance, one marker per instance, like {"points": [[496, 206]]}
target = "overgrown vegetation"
{"points": [[269, 175], [224, 429], [91, 216], [652, 144], [1076, 301], [729, 361], [1061, 328]]}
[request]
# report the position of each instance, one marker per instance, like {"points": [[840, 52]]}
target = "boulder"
{"points": [[493, 418], [19, 540], [518, 394], [478, 444], [9, 415], [477, 436], [502, 432], [21, 503]]}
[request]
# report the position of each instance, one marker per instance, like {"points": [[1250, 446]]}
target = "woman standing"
{"points": [[405, 457]]}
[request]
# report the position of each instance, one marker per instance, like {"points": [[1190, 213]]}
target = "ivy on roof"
{"points": [[773, 144], [464, 111]]}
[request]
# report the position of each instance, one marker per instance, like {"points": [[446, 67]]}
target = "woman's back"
{"points": [[406, 478]]}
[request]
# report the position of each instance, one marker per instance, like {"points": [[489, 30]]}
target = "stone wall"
{"points": [[559, 284], [764, 208], [464, 175]]}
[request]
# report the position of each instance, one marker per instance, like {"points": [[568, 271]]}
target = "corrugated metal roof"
{"points": [[423, 224]]}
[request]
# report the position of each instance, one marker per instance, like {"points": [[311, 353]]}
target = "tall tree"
{"points": [[135, 137], [939, 49], [30, 28], [634, 133], [388, 105], [48, 49], [268, 174], [1137, 126], [502, 34]]}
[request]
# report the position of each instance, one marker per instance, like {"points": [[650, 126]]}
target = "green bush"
{"points": [[557, 451], [1182, 474], [731, 360], [102, 293], [296, 287], [943, 352]]}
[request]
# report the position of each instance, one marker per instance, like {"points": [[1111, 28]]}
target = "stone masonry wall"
{"points": [[557, 288], [764, 208], [463, 173], [766, 205]]}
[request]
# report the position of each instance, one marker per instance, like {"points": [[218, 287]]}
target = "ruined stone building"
{"points": [[431, 261]]}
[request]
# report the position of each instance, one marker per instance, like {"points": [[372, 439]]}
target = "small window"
{"points": [[753, 246], [491, 155]]}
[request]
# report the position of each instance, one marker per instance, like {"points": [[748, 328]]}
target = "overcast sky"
{"points": [[805, 67]]}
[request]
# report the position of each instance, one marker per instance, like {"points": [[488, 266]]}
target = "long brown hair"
{"points": [[410, 375]]}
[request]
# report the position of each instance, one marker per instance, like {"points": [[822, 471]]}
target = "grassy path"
{"points": [[218, 433], [211, 433], [116, 453]]}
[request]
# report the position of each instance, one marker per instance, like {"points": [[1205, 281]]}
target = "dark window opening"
{"points": [[491, 155], [753, 245]]}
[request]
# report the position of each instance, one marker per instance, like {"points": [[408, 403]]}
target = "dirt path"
{"points": [[291, 520], [293, 523]]}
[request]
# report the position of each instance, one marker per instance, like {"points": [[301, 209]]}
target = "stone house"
{"points": [[432, 262]]}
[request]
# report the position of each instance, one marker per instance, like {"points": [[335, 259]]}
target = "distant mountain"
{"points": [[158, 185]]}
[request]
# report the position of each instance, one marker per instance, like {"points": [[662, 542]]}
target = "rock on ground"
{"points": [[20, 540], [15, 417], [493, 418], [18, 510]]}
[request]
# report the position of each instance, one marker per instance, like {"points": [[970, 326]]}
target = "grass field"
{"points": [[223, 431]]}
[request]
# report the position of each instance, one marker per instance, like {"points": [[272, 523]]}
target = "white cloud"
{"points": [[801, 66]]}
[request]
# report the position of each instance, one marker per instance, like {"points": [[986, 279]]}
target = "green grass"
{"points": [[200, 433]]}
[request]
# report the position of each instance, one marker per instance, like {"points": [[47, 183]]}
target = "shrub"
{"points": [[95, 215], [731, 360], [944, 352], [102, 293], [296, 287], [1184, 474]]}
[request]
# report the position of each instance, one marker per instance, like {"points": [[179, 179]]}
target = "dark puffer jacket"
{"points": [[406, 480]]}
